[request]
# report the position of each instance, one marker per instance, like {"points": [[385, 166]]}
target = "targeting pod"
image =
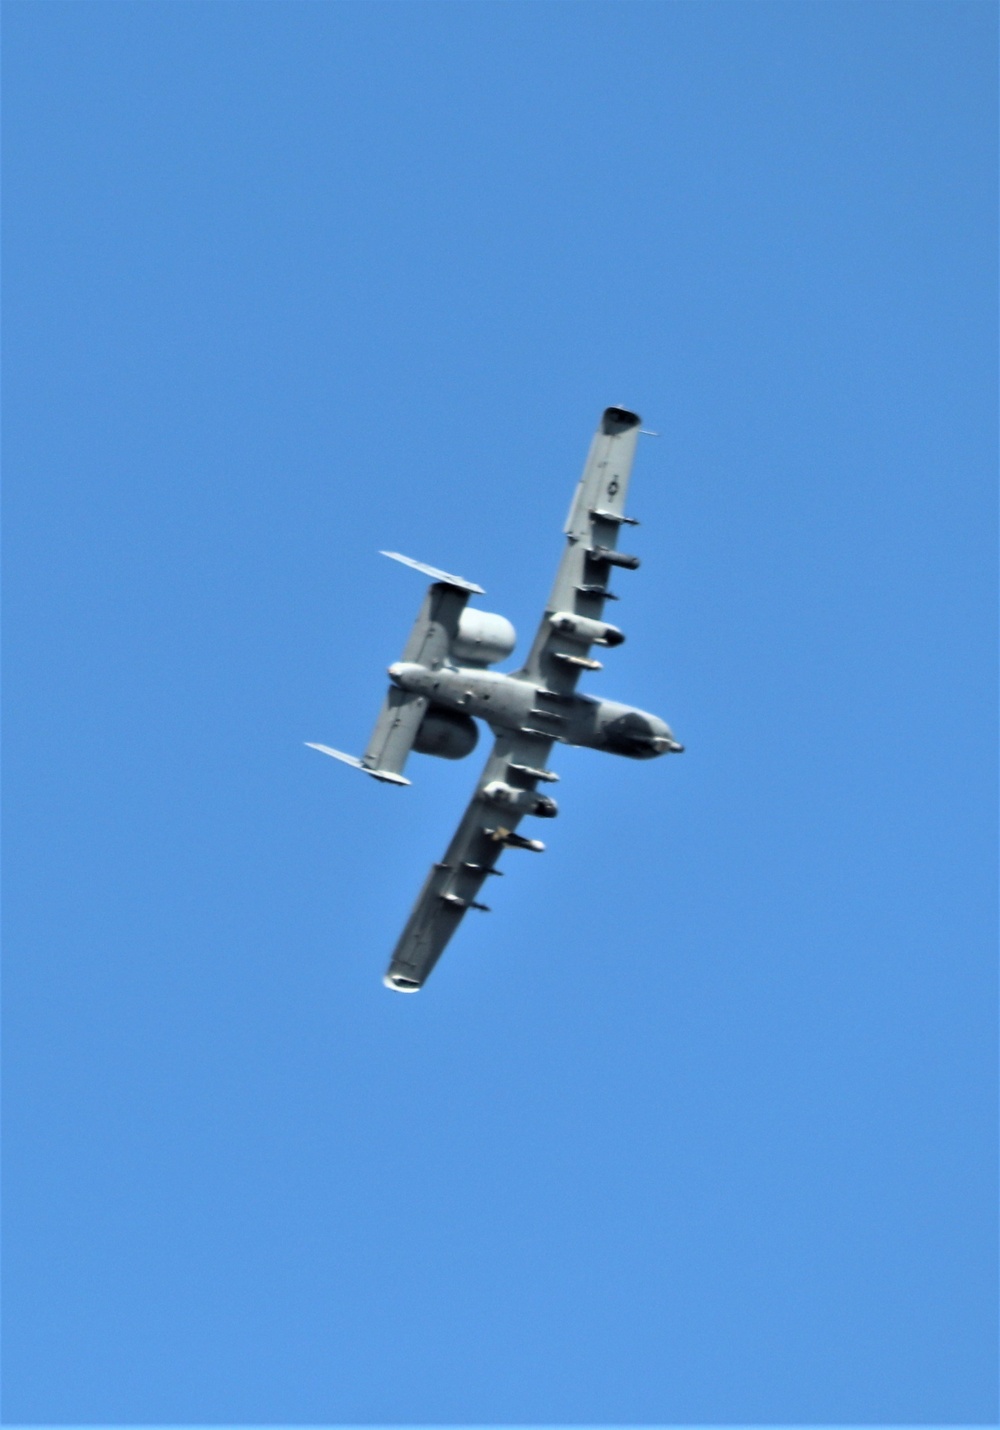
{"points": [[584, 629]]}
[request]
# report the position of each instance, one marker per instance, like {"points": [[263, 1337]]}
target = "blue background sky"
{"points": [[699, 1124]]}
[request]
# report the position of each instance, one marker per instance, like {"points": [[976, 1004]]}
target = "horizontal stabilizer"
{"points": [[437, 575], [386, 776]]}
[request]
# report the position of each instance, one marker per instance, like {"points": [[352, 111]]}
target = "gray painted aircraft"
{"points": [[444, 683]]}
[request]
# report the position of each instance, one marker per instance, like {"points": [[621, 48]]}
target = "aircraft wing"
{"points": [[453, 885], [595, 519]]}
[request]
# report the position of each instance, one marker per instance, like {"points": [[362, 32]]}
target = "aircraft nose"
{"points": [[663, 741]]}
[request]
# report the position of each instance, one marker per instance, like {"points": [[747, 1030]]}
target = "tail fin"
{"points": [[399, 719], [430, 641], [395, 731]]}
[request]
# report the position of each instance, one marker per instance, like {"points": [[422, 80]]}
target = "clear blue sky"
{"points": [[699, 1125]]}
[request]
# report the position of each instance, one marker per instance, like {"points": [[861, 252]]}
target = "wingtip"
{"points": [[618, 417], [399, 984]]}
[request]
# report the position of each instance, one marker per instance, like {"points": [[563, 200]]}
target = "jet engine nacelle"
{"points": [[525, 801], [483, 638], [446, 733]]}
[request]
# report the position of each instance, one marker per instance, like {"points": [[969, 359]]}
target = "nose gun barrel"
{"points": [[667, 745]]}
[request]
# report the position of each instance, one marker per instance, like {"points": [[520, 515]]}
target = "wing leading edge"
{"points": [[453, 885]]}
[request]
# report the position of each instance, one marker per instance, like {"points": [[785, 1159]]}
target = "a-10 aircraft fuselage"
{"points": [[511, 702], [443, 684]]}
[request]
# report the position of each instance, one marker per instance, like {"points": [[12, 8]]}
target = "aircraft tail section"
{"points": [[429, 643], [402, 711], [395, 731]]}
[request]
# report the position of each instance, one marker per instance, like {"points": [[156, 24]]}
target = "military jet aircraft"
{"points": [[444, 683]]}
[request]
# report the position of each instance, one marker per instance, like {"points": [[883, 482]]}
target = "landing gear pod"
{"points": [[525, 801]]}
